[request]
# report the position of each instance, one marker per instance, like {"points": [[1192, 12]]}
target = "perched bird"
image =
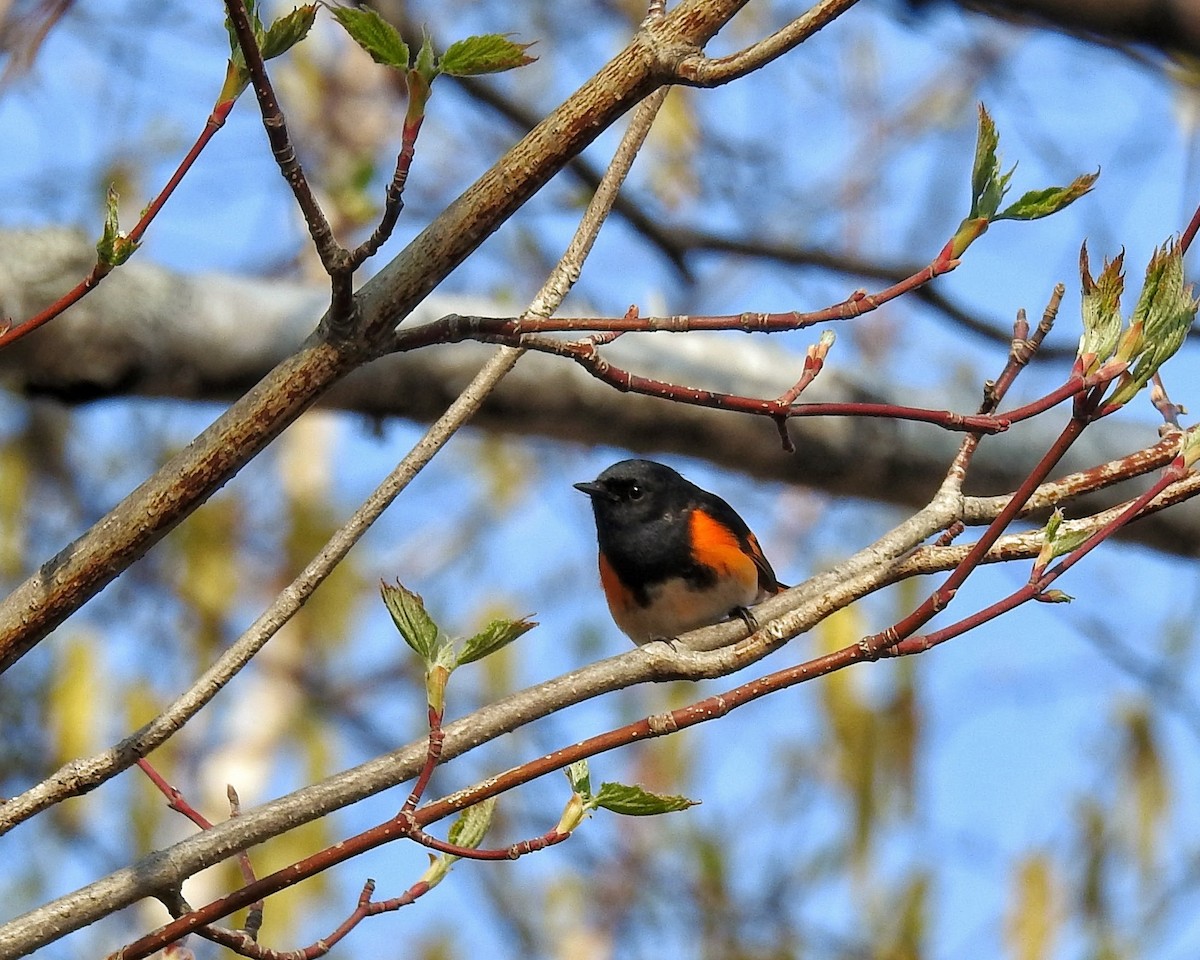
{"points": [[673, 557]]}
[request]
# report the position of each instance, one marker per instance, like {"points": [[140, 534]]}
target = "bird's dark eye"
{"points": [[635, 492]]}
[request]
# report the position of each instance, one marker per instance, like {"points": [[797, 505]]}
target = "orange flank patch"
{"points": [[715, 545], [619, 597]]}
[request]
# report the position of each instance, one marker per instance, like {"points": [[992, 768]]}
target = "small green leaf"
{"points": [[490, 53], [573, 813], [970, 230], [633, 801], [237, 78], [375, 35], [1058, 540], [1101, 309], [438, 867], [986, 165], [472, 824], [1041, 203], [1053, 596], [288, 30], [497, 634], [426, 63], [437, 675], [580, 778], [994, 192], [418, 96], [113, 248], [414, 623]]}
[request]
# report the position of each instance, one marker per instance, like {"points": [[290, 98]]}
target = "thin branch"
{"points": [[456, 327], [333, 255], [698, 70]]}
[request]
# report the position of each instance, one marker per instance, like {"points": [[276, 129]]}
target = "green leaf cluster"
{"points": [[442, 654], [1160, 322], [990, 184], [489, 53], [283, 34]]}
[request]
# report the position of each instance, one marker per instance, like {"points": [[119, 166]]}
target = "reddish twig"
{"points": [[1084, 411], [366, 907], [1189, 233], [710, 708], [215, 121], [511, 852], [454, 328], [393, 198], [432, 754], [1036, 587], [1022, 349], [179, 803]]}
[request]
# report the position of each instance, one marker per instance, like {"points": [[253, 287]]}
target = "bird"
{"points": [[673, 557]]}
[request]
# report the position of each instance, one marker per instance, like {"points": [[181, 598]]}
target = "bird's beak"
{"points": [[594, 490]]}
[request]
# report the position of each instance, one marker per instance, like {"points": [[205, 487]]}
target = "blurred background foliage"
{"points": [[1027, 792]]}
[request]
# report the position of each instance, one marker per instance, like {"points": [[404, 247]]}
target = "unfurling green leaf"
{"points": [[438, 867], [986, 167], [237, 78], [573, 813], [468, 831], [288, 30], [633, 801], [1057, 541], [437, 675], [375, 35], [1161, 320], [1101, 309], [1053, 596], [580, 778], [1041, 203], [490, 53], [497, 634], [989, 186], [113, 248], [426, 62], [414, 623], [472, 824]]}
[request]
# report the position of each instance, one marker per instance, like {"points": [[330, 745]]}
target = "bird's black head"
{"points": [[636, 492]]}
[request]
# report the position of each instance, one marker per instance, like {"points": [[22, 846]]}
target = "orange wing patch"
{"points": [[715, 545]]}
